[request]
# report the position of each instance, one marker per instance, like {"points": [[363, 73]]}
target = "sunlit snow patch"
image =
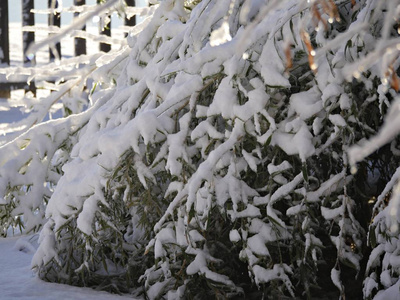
{"points": [[220, 35]]}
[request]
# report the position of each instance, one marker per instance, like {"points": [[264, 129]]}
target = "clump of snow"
{"points": [[220, 35], [306, 104], [272, 66], [298, 143]]}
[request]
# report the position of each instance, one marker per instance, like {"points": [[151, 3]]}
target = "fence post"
{"points": [[80, 44], [106, 31], [4, 42], [28, 19], [132, 21], [54, 20]]}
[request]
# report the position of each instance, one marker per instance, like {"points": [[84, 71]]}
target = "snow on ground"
{"points": [[9, 114], [17, 280]]}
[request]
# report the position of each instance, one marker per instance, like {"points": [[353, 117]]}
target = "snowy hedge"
{"points": [[241, 151]]}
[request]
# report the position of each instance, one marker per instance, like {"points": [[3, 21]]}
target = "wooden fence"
{"points": [[29, 37]]}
